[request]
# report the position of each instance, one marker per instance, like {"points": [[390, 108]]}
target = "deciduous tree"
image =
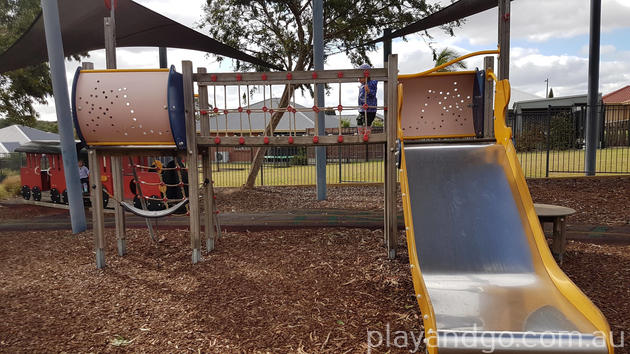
{"points": [[280, 32]]}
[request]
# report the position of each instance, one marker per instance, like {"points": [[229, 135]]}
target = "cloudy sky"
{"points": [[549, 40]]}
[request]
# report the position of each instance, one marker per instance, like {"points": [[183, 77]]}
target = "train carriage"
{"points": [[42, 171]]}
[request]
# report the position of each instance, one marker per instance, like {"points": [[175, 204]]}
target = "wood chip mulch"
{"points": [[275, 291], [597, 200], [311, 290]]}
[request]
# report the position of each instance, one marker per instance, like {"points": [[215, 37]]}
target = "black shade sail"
{"points": [[136, 26], [456, 11]]}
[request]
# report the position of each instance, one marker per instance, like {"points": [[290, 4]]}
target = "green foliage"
{"points": [[280, 32], [562, 132], [550, 95], [445, 56], [378, 122], [345, 123], [532, 137], [300, 158], [19, 89]]}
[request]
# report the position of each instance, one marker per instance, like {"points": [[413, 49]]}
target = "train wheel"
{"points": [[37, 194], [64, 196], [155, 205], [55, 197], [26, 192], [136, 202]]}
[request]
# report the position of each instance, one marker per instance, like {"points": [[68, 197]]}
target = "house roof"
{"points": [[22, 134], [8, 147], [621, 95], [543, 103], [303, 120], [517, 95]]}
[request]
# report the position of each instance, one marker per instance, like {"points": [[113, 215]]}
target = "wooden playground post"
{"points": [[119, 212], [488, 96], [391, 220], [109, 24], [192, 160], [206, 167], [96, 192]]}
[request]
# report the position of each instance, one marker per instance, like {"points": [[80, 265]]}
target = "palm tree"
{"points": [[445, 56]]}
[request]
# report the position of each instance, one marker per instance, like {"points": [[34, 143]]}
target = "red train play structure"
{"points": [[42, 170]]}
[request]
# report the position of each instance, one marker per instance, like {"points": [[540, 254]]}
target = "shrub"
{"points": [[300, 157], [10, 187]]}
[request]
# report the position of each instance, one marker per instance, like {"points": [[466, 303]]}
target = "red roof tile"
{"points": [[619, 96]]}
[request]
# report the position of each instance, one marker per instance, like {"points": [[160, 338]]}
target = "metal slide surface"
{"points": [[488, 284]]}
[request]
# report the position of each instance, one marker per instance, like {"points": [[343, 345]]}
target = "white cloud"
{"points": [[533, 22]]}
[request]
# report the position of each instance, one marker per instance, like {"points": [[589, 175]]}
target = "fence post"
{"points": [[601, 111], [548, 139]]}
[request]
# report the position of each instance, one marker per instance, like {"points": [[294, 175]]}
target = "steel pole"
{"points": [[592, 121], [318, 63], [163, 58], [50, 11]]}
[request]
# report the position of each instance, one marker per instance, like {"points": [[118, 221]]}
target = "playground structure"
{"points": [[480, 264]]}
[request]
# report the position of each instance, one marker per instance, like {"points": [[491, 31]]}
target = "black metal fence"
{"points": [[296, 165], [552, 141], [549, 142]]}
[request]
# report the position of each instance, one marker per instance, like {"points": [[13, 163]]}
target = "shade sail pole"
{"points": [[50, 11], [318, 63], [592, 108]]}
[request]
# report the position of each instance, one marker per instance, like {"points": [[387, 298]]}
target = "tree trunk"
{"points": [[259, 156]]}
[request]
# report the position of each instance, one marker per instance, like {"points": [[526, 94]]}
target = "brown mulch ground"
{"points": [[286, 291], [11, 212], [598, 201], [359, 197], [273, 291], [313, 290]]}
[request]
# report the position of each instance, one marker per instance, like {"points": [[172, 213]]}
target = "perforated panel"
{"points": [[438, 106], [123, 108]]}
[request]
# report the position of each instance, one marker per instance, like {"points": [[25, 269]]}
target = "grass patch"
{"points": [[565, 163]]}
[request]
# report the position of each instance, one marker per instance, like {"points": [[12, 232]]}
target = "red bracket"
{"points": [[264, 108], [217, 141], [289, 76], [215, 110], [241, 140], [314, 75], [366, 137], [213, 77], [315, 109], [315, 139], [290, 140], [340, 138], [340, 108], [264, 77], [366, 73], [340, 74], [266, 140], [239, 77], [240, 109]]}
